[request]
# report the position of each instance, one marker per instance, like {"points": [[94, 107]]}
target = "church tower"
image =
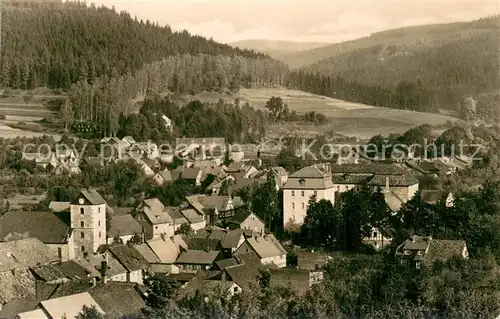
{"points": [[88, 222]]}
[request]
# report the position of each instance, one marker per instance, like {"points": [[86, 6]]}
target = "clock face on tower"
{"points": [[81, 201]]}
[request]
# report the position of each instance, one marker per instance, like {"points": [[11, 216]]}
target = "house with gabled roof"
{"points": [[155, 218], [241, 167], [163, 177], [421, 250], [380, 237], [135, 264], [123, 227], [161, 253], [196, 260], [246, 220], [267, 248], [215, 208], [51, 228], [300, 186]]}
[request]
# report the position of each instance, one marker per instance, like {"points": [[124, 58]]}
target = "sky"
{"points": [[300, 20]]}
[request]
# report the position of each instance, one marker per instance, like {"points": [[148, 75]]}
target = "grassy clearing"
{"points": [[346, 118], [10, 132]]}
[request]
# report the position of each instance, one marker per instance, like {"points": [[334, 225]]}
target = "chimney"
{"points": [[94, 282], [104, 267], [412, 238], [387, 187]]}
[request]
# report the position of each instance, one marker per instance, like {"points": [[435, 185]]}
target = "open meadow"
{"points": [[346, 118], [25, 111]]}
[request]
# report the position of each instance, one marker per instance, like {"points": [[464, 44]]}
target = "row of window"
{"points": [[82, 223], [82, 235], [302, 193], [82, 210], [303, 205]]}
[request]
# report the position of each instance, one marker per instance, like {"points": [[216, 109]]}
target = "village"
{"points": [[57, 261]]}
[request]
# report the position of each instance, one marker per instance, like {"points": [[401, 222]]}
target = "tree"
{"points": [[66, 114], [321, 224], [136, 239], [185, 229], [90, 313], [160, 290], [276, 107], [265, 200]]}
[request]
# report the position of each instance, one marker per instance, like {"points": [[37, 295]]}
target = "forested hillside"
{"points": [[55, 45], [426, 77]]}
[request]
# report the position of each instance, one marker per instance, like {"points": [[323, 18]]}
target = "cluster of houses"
{"points": [[86, 252]]}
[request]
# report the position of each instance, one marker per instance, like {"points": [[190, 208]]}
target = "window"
{"points": [[156, 227], [99, 210], [99, 234], [302, 193], [82, 224], [98, 223], [303, 205], [235, 289], [375, 234], [82, 235], [315, 193], [293, 193], [293, 205], [82, 248], [82, 211]]}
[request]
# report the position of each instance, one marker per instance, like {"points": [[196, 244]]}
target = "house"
{"points": [[146, 150], [177, 217], [233, 240], [300, 186], [207, 147], [245, 270], [193, 174], [398, 185], [155, 219], [123, 227], [63, 307], [195, 260], [161, 254], [209, 288], [241, 167], [88, 222], [51, 228], [246, 220], [131, 260], [418, 250], [108, 266], [65, 168], [379, 238], [312, 260], [299, 280], [162, 178], [16, 258], [194, 219], [267, 248], [435, 196], [129, 140], [145, 168], [281, 176], [215, 208], [67, 156], [167, 122]]}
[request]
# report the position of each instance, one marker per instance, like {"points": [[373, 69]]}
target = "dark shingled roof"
{"points": [[198, 257], [223, 264], [248, 272], [394, 180], [232, 239], [118, 299], [129, 257], [49, 272], [431, 196], [15, 306], [74, 270], [443, 250], [48, 227], [93, 197], [196, 243], [368, 168], [124, 225]]}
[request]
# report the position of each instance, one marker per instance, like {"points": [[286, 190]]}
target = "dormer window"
{"points": [[420, 252], [302, 181]]}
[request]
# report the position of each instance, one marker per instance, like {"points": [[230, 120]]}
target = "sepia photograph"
{"points": [[249, 159]]}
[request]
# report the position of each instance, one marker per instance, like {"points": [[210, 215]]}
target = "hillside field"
{"points": [[346, 118]]}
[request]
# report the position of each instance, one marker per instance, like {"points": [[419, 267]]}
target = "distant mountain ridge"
{"points": [[407, 36], [277, 48]]}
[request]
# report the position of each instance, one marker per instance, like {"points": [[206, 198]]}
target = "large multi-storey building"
{"points": [[88, 221], [300, 186]]}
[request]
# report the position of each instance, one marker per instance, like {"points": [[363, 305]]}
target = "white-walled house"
{"points": [[155, 219], [379, 238], [300, 186]]}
